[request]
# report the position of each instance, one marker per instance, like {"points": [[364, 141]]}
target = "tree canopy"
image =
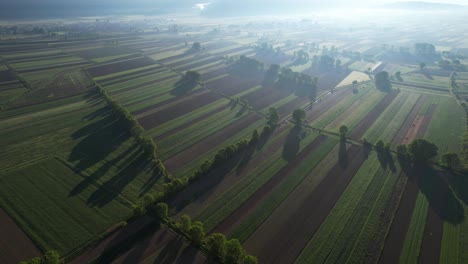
{"points": [[382, 81], [298, 116], [422, 150]]}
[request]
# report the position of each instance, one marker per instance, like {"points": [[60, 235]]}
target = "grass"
{"points": [[412, 244], [69, 171], [442, 82], [37, 197], [327, 235], [448, 121]]}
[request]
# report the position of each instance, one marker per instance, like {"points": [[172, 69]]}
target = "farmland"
{"points": [[75, 174]]}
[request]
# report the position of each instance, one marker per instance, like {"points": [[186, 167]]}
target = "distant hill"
{"points": [[420, 5]]}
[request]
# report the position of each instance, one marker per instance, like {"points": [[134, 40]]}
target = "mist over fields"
{"points": [[30, 9]]}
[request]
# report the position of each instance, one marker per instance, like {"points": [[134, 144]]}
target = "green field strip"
{"points": [[117, 74], [448, 121], [374, 219], [390, 121], [104, 59], [136, 95], [37, 198], [211, 66], [463, 239], [194, 164], [430, 100], [8, 96], [414, 236], [200, 60], [42, 63], [115, 88], [365, 216], [153, 69], [442, 82], [176, 143], [213, 214], [338, 109], [159, 130], [422, 90], [216, 78], [450, 245], [164, 55], [329, 232], [362, 105], [25, 55], [47, 74], [281, 192], [53, 57], [39, 107]]}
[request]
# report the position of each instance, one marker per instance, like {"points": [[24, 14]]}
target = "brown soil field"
{"points": [[290, 238], [169, 113], [15, 245], [102, 52], [229, 223], [400, 135], [119, 66], [177, 161], [7, 76]]}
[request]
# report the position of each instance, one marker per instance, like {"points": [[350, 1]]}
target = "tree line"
{"points": [[285, 78], [146, 143], [50, 257], [216, 245]]}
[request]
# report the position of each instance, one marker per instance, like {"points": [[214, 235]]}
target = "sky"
{"points": [[64, 8]]}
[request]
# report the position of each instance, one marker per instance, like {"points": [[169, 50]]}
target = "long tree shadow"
{"points": [[97, 141], [292, 143], [170, 252], [155, 176], [109, 190], [459, 184], [204, 184], [124, 242], [343, 154], [434, 185], [182, 87], [97, 174]]}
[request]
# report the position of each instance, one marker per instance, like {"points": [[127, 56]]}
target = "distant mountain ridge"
{"points": [[425, 6]]}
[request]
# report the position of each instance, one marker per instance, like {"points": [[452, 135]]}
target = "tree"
{"points": [[422, 65], [234, 252], [197, 233], [196, 47], [271, 74], [451, 160], [343, 130], [248, 259], [162, 211], [422, 150], [216, 244], [273, 116], [185, 223], [379, 146], [51, 257], [382, 81], [255, 137], [298, 116]]}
